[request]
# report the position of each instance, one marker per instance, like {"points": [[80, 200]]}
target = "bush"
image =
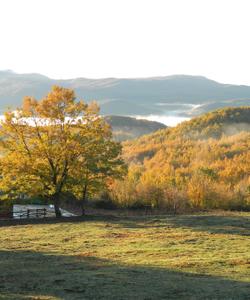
{"points": [[104, 204]]}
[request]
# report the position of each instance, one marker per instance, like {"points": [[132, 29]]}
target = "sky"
{"points": [[127, 38]]}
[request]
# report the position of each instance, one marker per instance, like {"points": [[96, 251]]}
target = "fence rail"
{"points": [[30, 213]]}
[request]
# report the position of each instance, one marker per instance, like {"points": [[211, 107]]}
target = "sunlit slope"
{"points": [[230, 124]]}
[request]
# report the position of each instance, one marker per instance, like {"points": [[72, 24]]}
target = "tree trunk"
{"points": [[84, 198], [56, 199]]}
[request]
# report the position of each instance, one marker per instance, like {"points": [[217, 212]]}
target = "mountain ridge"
{"points": [[162, 95]]}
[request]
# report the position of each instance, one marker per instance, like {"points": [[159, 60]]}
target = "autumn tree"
{"points": [[51, 145], [98, 163]]}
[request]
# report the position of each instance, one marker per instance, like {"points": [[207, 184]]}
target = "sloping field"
{"points": [[166, 257]]}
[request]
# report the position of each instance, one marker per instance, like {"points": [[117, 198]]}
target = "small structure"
{"points": [[36, 211]]}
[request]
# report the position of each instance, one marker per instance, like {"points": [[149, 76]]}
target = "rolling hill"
{"points": [[213, 125], [201, 163], [127, 128], [170, 95]]}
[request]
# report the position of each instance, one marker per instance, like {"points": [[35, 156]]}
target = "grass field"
{"points": [[151, 257]]}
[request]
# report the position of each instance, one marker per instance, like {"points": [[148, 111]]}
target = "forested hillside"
{"points": [[202, 163], [127, 128]]}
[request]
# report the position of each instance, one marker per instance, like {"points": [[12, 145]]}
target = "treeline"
{"points": [[200, 164]]}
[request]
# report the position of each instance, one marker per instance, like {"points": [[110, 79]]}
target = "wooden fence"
{"points": [[30, 213]]}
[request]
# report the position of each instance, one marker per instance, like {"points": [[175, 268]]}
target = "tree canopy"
{"points": [[56, 145]]}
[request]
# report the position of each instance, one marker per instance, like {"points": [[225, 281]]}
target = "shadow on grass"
{"points": [[34, 275], [238, 225], [17, 222]]}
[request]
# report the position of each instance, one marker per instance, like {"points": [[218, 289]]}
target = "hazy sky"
{"points": [[127, 38]]}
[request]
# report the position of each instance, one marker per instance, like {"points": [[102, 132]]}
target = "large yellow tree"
{"points": [[52, 145]]}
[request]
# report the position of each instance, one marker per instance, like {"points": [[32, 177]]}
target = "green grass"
{"points": [[166, 257]]}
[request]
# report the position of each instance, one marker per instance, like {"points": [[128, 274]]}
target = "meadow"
{"points": [[204, 256]]}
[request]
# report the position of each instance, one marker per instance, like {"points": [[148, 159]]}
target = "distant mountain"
{"points": [[179, 95], [127, 128]]}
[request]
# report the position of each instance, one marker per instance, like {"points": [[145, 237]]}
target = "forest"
{"points": [[203, 163]]}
